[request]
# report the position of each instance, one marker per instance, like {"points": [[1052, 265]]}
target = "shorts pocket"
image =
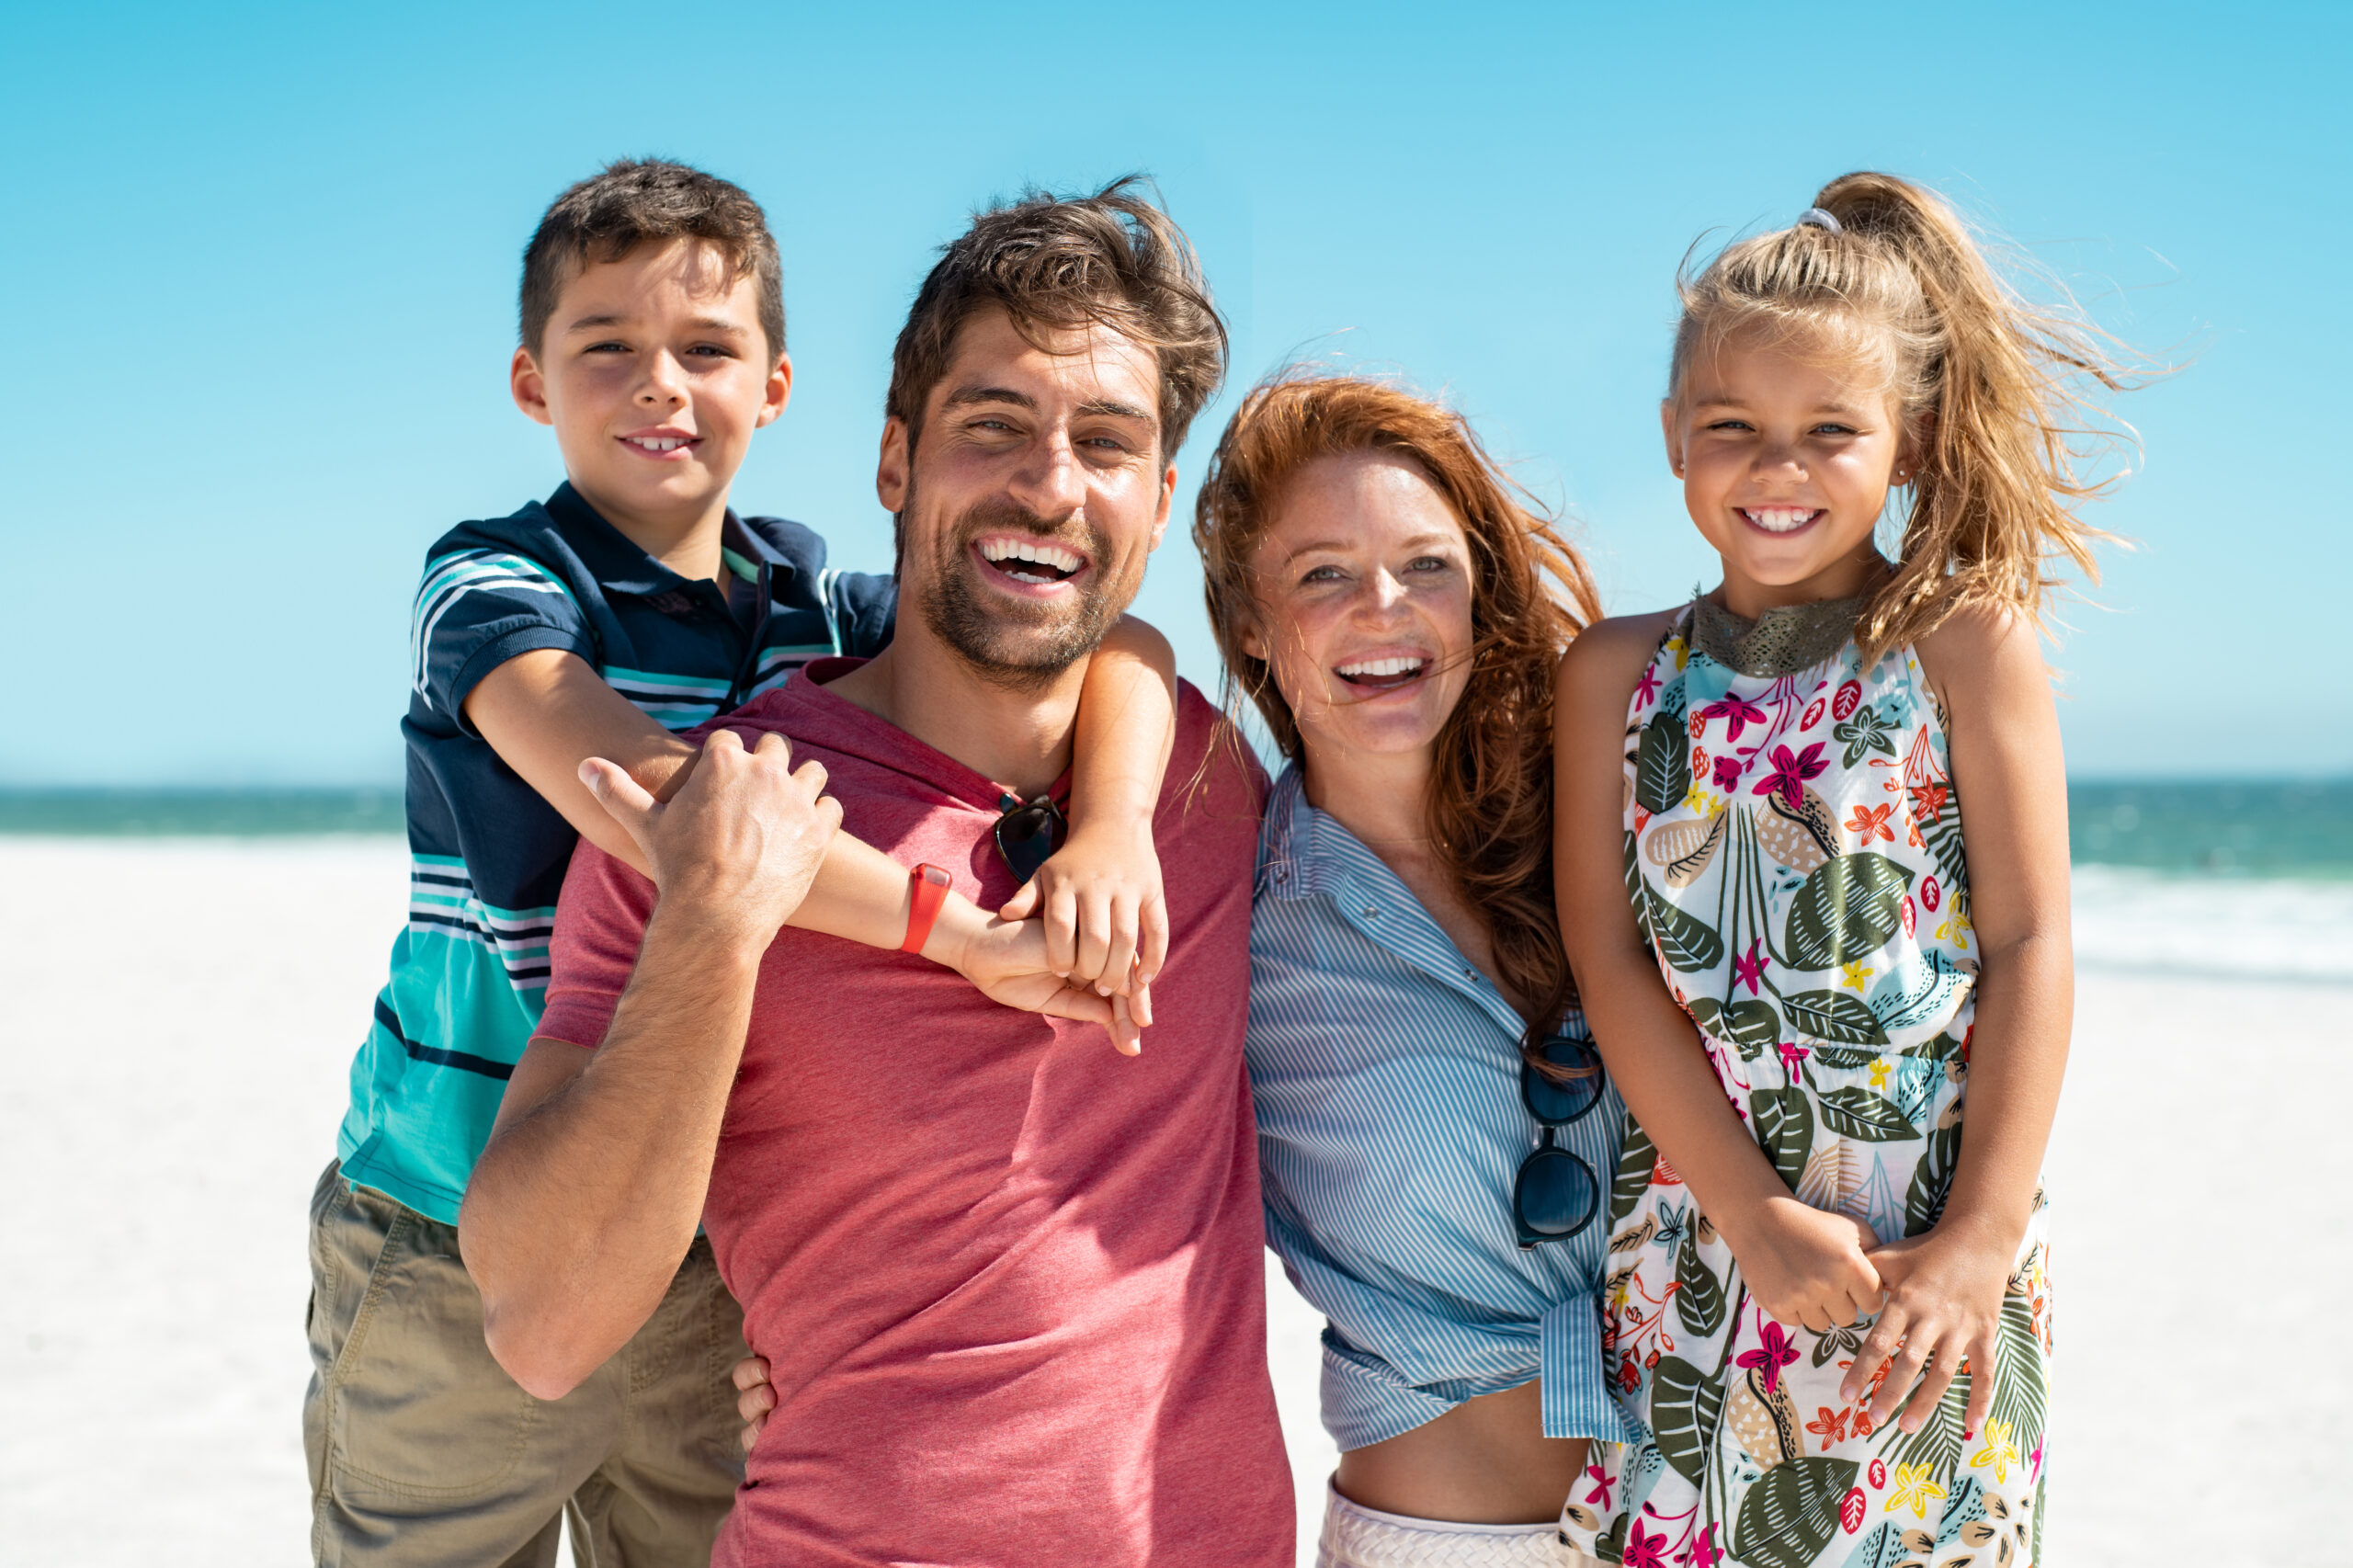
{"points": [[418, 1409]]}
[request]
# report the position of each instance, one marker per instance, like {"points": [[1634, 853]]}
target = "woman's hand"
{"points": [[1944, 1308], [754, 1397], [1008, 962], [1104, 912], [1806, 1266]]}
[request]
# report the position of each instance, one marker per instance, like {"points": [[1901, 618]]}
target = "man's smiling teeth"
{"points": [[1060, 562], [1781, 519], [659, 444], [1378, 668]]}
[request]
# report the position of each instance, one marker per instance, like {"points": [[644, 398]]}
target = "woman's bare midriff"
{"points": [[1487, 1462]]}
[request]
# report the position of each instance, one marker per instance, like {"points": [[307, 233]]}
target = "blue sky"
{"points": [[264, 265]]}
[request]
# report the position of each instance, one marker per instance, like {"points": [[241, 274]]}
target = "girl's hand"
{"points": [[1944, 1306], [1806, 1266], [1007, 961], [1104, 912], [754, 1397]]}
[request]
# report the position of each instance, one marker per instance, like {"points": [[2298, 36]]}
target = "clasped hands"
{"points": [[1938, 1297], [736, 848]]}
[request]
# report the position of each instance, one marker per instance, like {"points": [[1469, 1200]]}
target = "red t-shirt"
{"points": [[1007, 1281]]}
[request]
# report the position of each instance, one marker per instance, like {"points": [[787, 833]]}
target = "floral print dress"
{"points": [[1793, 852]]}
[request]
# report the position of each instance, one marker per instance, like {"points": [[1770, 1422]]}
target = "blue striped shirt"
{"points": [[1386, 1072]]}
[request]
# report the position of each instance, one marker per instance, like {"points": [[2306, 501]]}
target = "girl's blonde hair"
{"points": [[1989, 388], [1490, 798]]}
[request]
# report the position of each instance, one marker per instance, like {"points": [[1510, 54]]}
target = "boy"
{"points": [[630, 604]]}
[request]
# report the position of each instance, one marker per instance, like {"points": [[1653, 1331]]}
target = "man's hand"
{"points": [[1807, 1266], [737, 846], [1105, 910], [1944, 1309]]}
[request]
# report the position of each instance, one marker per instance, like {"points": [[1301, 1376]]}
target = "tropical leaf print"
{"points": [[1837, 1015], [1689, 942], [2020, 1399], [1699, 1301], [1790, 1515], [1924, 1203], [1636, 1155], [1845, 1057], [1686, 1409], [1783, 1122], [1882, 1547], [1847, 909], [1745, 1021], [1856, 1112], [1926, 988], [1663, 764]]}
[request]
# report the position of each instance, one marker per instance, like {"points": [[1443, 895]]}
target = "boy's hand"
{"points": [[1007, 961], [754, 1397], [1807, 1266], [737, 846], [1944, 1307], [1104, 912]]}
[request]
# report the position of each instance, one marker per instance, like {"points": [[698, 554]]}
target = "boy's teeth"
{"points": [[1040, 551], [1779, 519], [1380, 667], [663, 444]]}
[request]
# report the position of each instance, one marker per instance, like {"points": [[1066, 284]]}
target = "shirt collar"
{"points": [[618, 563]]}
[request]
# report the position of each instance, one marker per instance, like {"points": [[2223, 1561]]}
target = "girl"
{"points": [[1827, 1307]]}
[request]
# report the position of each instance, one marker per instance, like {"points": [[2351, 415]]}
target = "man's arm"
{"points": [[587, 1197]]}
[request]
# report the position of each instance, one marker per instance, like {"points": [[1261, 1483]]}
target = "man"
{"points": [[1007, 1283]]}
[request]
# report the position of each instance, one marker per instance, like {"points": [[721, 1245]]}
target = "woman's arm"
{"points": [[1107, 917], [1802, 1265], [1945, 1286]]}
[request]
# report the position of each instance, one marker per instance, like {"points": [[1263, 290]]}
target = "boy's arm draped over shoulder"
{"points": [[1101, 896], [1803, 1266]]}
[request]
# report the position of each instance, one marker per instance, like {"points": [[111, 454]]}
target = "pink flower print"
{"points": [[1644, 1550], [1791, 1054], [1791, 774], [1727, 774], [1737, 714], [1749, 969], [1648, 687], [1774, 1353], [1600, 1492], [1705, 1552]]}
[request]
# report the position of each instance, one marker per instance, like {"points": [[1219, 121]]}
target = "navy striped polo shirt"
{"points": [[486, 854]]}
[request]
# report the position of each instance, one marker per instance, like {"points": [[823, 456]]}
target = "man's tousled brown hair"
{"points": [[1113, 259], [634, 202], [1491, 797]]}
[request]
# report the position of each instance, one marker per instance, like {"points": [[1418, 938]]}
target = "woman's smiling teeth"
{"points": [[1389, 672], [1031, 559], [1781, 519]]}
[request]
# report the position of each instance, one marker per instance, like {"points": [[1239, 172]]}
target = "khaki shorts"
{"points": [[423, 1451]]}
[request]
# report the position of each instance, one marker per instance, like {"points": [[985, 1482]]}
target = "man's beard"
{"points": [[1018, 645]]}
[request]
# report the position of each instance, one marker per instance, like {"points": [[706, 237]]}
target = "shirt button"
{"points": [[1370, 913]]}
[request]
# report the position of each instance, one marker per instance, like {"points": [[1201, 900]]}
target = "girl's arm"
{"points": [[1107, 919], [1945, 1286], [546, 713], [1802, 1265]]}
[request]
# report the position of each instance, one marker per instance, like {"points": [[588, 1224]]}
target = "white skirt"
{"points": [[1357, 1536]]}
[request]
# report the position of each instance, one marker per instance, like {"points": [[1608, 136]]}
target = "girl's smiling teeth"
{"points": [[1781, 519], [1384, 673], [1035, 561]]}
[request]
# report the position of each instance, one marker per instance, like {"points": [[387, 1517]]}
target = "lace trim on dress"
{"points": [[1781, 641]]}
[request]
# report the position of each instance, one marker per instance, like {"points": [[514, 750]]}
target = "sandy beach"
{"points": [[177, 1016]]}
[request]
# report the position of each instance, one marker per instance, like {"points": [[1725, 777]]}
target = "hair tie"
{"points": [[1817, 218]]}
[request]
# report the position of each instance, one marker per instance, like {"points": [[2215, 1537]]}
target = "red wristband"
{"points": [[926, 891]]}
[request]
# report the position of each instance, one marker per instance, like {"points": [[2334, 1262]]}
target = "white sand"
{"points": [[176, 1018]]}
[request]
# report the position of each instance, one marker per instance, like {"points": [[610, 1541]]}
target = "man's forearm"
{"points": [[583, 1204]]}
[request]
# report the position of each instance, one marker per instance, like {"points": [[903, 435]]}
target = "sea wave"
{"points": [[2223, 928]]}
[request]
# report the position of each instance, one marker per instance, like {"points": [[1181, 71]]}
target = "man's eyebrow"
{"points": [[1112, 408], [964, 397]]}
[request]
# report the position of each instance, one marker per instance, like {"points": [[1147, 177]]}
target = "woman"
{"points": [[1397, 618]]}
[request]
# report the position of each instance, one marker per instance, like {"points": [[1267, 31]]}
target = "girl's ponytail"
{"points": [[1991, 388]]}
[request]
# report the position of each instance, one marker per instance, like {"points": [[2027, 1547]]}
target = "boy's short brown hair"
{"points": [[635, 201], [1113, 259]]}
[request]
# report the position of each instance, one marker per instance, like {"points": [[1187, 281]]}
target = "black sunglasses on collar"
{"points": [[1029, 833], [1556, 1195]]}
